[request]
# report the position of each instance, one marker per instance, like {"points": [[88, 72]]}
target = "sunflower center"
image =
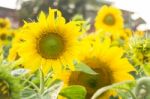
{"points": [[109, 19], [50, 46], [93, 82], [3, 36], [2, 25], [104, 76]]}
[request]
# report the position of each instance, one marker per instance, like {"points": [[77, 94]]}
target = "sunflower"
{"points": [[4, 37], [125, 34], [17, 40], [13, 51], [50, 43], [139, 33], [109, 18], [124, 37], [121, 37], [4, 23], [10, 86], [4, 92], [101, 59]]}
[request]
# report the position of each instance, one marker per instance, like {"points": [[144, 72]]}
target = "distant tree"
{"points": [[30, 9]]}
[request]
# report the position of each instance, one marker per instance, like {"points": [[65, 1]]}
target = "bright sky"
{"points": [[8, 3], [141, 7]]}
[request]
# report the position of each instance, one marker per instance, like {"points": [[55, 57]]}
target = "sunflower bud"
{"points": [[142, 89]]}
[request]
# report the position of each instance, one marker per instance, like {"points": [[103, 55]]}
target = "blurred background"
{"points": [[135, 12]]}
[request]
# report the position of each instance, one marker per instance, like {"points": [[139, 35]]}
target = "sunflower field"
{"points": [[57, 58]]}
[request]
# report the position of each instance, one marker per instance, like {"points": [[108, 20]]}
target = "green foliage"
{"points": [[39, 87], [84, 68], [146, 69], [142, 89], [126, 86], [74, 92], [13, 83], [85, 24], [49, 93], [139, 53]]}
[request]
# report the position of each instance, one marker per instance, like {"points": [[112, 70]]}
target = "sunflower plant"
{"points": [[138, 53], [51, 58]]}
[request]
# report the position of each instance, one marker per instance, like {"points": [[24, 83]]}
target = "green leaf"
{"points": [[49, 93], [116, 85], [84, 68], [29, 94], [19, 72], [146, 69], [74, 92], [53, 91], [142, 88]]}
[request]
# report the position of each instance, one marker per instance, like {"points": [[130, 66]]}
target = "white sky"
{"points": [[141, 7], [8, 3]]}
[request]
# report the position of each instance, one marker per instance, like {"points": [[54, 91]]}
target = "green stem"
{"points": [[104, 89], [32, 84], [130, 92], [48, 76], [16, 63], [41, 81], [26, 79]]}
